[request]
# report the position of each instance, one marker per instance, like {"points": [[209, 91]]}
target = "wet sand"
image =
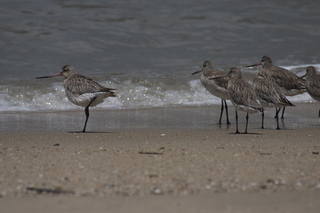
{"points": [[159, 160]]}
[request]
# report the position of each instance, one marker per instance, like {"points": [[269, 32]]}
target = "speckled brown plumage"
{"points": [[270, 95], [217, 87], [313, 83], [242, 95], [81, 90]]}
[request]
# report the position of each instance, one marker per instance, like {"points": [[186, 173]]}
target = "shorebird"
{"points": [[290, 83], [313, 83], [242, 95], [81, 90], [270, 95], [217, 87]]}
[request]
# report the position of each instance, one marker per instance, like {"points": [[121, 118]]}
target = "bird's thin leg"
{"points": [[221, 111], [237, 130], [87, 114], [227, 115], [262, 122], [282, 116], [277, 117], [247, 119]]}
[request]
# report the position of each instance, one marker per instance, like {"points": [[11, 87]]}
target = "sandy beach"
{"points": [[160, 160]]}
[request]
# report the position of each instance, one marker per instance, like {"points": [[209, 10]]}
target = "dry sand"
{"points": [[159, 160]]}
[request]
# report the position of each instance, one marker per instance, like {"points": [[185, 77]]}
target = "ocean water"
{"points": [[146, 49]]}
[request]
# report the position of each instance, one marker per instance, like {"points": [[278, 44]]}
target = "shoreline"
{"points": [[201, 117]]}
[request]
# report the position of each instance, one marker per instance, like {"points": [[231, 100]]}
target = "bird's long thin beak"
{"points": [[221, 76], [253, 65], [49, 76], [196, 72]]}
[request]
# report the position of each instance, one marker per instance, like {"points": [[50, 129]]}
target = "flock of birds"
{"points": [[270, 87]]}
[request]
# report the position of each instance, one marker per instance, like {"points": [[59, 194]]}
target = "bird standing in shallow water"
{"points": [[81, 90], [242, 95], [217, 87], [313, 83], [270, 95], [290, 83]]}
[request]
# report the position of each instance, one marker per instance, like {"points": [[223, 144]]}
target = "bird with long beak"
{"points": [[270, 95], [217, 87], [81, 90], [290, 83], [313, 83], [242, 95]]}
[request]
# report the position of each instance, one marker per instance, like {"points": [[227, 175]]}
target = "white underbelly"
{"points": [[244, 108], [214, 89], [85, 99]]}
